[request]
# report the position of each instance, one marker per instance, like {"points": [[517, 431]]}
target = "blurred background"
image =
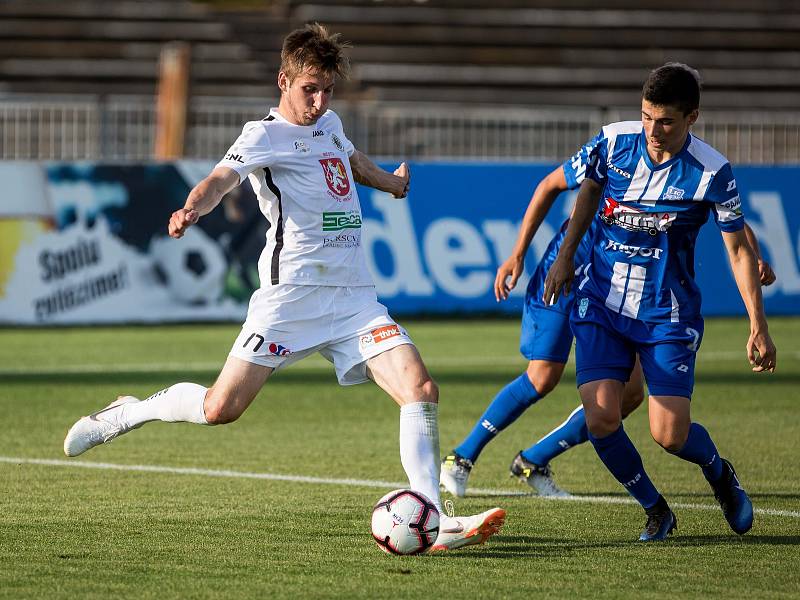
{"points": [[488, 79], [110, 112]]}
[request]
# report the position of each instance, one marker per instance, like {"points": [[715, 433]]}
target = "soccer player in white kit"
{"points": [[316, 292]]}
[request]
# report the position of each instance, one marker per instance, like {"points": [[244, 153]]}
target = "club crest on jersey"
{"points": [[583, 306], [336, 176], [674, 193]]}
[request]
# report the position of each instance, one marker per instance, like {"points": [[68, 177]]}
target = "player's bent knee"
{"points": [[544, 376], [671, 441], [601, 424], [220, 410], [429, 392]]}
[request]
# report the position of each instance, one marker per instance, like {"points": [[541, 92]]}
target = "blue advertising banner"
{"points": [[87, 243], [438, 251]]}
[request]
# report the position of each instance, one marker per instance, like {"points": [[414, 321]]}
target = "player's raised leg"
{"points": [[401, 373], [234, 390]]}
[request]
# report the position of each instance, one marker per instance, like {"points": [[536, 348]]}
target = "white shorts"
{"points": [[348, 326]]}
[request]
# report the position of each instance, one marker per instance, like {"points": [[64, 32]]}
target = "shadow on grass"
{"points": [[503, 546], [497, 377]]}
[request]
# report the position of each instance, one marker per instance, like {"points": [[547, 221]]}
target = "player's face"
{"points": [[666, 127], [305, 98]]}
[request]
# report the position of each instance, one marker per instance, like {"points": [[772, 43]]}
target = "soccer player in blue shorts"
{"points": [[546, 341], [636, 293]]}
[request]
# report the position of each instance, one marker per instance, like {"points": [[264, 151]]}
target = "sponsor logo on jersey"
{"points": [[734, 205], [234, 157], [632, 219], [336, 221], [278, 350], [317, 133], [335, 176], [617, 170], [674, 193], [683, 368], [583, 306], [342, 240], [301, 147], [337, 142], [381, 334], [632, 251], [731, 185]]}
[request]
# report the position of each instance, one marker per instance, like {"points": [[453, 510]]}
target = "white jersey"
{"points": [[305, 188]]}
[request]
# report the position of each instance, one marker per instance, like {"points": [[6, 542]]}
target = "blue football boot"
{"points": [[736, 506], [660, 522]]}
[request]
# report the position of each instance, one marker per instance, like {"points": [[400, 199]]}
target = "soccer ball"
{"points": [[405, 522], [193, 268]]}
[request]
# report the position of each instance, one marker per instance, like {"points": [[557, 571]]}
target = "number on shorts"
{"points": [[258, 345], [696, 335]]}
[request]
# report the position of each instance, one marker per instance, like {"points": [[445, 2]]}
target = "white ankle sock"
{"points": [[180, 402], [419, 448]]}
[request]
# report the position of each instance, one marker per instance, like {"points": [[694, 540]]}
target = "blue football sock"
{"points": [[700, 449], [506, 408], [570, 433], [620, 456]]}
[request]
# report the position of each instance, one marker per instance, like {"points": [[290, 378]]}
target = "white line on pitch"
{"points": [[354, 482]]}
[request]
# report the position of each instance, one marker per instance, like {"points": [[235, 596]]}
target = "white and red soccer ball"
{"points": [[405, 522]]}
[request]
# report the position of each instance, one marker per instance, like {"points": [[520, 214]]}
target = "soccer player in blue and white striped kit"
{"points": [[636, 294]]}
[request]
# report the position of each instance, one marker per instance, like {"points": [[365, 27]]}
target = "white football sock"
{"points": [[419, 448], [180, 402]]}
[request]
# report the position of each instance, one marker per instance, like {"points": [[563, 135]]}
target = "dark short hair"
{"points": [[673, 84], [313, 48]]}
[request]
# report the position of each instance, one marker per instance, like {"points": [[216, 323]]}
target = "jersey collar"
{"points": [[666, 164]]}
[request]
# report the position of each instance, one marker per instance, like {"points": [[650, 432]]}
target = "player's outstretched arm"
{"points": [[368, 173], [202, 200], [761, 350], [542, 200], [562, 272], [765, 272]]}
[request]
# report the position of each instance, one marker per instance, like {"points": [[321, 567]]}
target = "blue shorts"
{"points": [[545, 334], [606, 346]]}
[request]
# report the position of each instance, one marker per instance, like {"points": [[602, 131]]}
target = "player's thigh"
{"points": [[633, 395], [601, 352], [602, 405], [401, 373], [545, 334], [234, 390], [668, 359], [670, 419]]}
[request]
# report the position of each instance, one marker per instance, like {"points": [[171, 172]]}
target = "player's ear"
{"points": [[283, 81], [693, 116]]}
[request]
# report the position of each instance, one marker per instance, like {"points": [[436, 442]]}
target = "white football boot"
{"points": [[454, 474], [457, 532], [97, 428]]}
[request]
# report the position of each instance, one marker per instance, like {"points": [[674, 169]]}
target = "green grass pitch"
{"points": [[69, 532]]}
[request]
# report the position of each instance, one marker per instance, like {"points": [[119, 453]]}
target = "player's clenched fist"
{"points": [[180, 221], [403, 173]]}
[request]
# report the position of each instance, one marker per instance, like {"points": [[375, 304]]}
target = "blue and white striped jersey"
{"points": [[642, 258]]}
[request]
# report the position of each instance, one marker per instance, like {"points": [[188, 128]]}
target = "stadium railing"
{"points": [[123, 128]]}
